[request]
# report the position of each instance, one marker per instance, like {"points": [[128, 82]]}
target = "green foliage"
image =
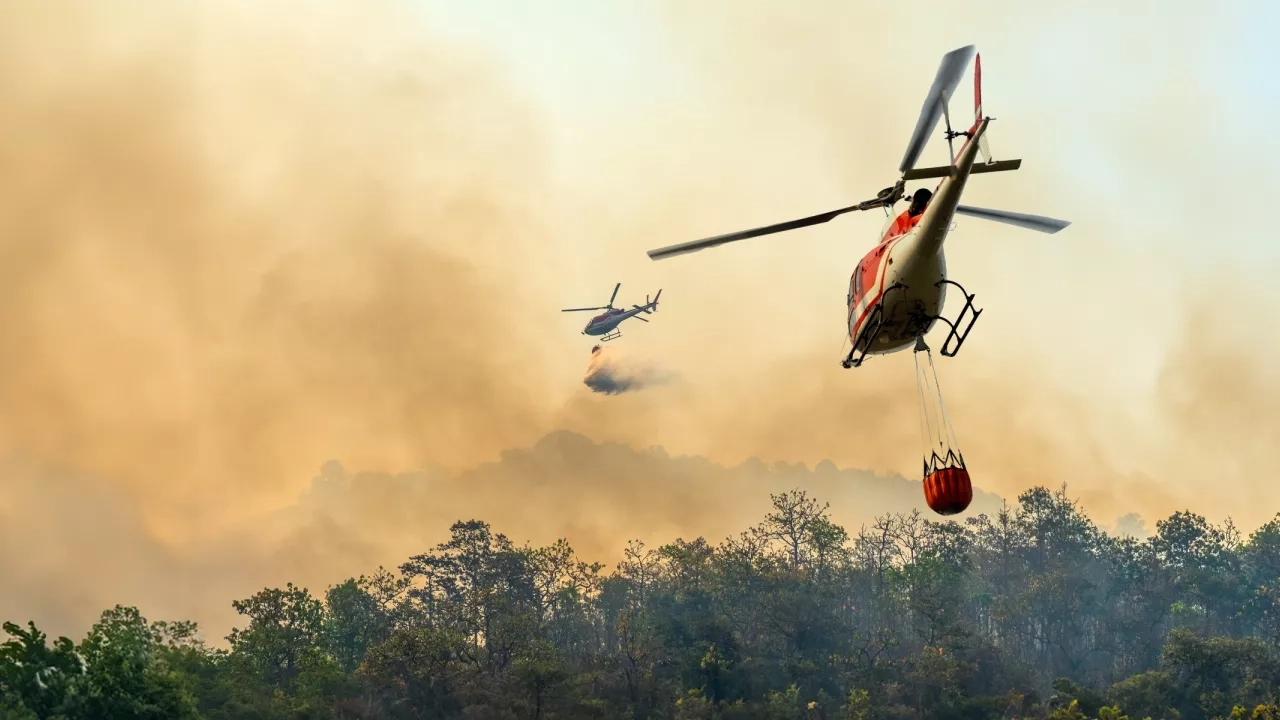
{"points": [[1032, 613], [858, 705], [126, 675], [38, 680], [284, 633], [1111, 713], [1090, 701], [1148, 694], [1070, 712]]}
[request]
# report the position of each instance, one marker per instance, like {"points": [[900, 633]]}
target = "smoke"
{"points": [[79, 546], [612, 373], [237, 240], [1131, 525], [233, 243]]}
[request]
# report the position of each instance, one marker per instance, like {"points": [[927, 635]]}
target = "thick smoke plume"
{"points": [[232, 247], [613, 373], [232, 243]]}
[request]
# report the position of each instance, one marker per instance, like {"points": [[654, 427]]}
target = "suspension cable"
{"points": [[934, 438], [950, 429], [936, 430], [924, 435]]}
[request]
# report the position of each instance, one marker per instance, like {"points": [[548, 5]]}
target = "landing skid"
{"points": [[876, 323], [955, 334], [950, 346], [611, 335]]}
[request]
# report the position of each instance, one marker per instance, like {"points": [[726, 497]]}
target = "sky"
{"points": [[782, 113], [244, 242]]}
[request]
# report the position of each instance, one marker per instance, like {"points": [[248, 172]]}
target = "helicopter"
{"points": [[897, 291], [606, 323]]}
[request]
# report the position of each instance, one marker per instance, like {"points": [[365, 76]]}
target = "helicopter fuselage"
{"points": [[608, 321], [604, 323], [898, 290]]}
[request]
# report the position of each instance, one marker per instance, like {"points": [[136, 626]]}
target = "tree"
{"points": [[354, 621], [1033, 612], [126, 676], [417, 673], [285, 627], [39, 680], [792, 523]]}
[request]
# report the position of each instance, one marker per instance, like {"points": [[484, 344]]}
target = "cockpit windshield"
{"points": [[888, 222], [905, 219]]}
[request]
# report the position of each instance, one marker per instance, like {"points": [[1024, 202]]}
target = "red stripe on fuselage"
{"points": [[883, 270], [902, 224]]}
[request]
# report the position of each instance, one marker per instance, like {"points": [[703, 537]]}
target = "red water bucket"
{"points": [[948, 491]]}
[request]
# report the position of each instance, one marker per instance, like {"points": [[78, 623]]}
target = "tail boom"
{"points": [[936, 222]]}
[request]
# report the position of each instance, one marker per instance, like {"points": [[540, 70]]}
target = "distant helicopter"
{"points": [[897, 291], [606, 323]]}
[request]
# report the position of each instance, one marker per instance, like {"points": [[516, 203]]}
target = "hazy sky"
{"points": [[1140, 122], [242, 240]]}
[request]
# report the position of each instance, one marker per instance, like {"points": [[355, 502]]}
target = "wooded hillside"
{"points": [[1034, 612]]}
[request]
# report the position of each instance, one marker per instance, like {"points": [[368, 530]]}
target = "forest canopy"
{"points": [[1032, 612]]}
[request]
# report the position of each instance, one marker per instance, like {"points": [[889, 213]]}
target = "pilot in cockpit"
{"points": [[919, 201]]}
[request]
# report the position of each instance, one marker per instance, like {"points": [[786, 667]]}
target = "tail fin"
{"points": [[983, 149], [649, 305], [977, 92]]}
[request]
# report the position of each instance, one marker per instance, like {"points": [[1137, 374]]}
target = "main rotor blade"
{"points": [[1030, 222], [581, 309], [696, 245], [944, 84], [615, 294]]}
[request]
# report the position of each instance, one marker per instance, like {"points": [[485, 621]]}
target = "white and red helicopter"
{"points": [[897, 291], [606, 323]]}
